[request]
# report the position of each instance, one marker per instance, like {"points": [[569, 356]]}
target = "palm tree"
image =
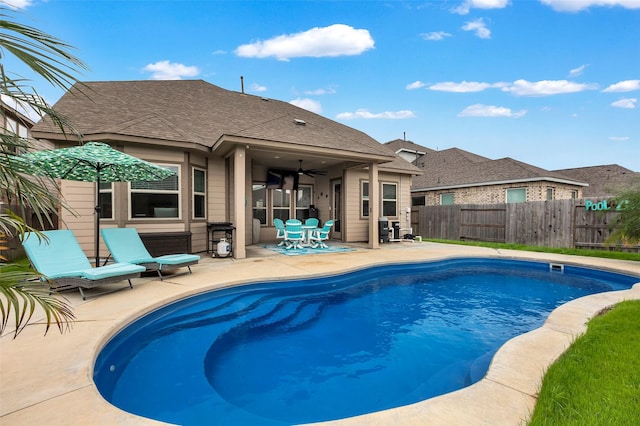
{"points": [[50, 59], [626, 226]]}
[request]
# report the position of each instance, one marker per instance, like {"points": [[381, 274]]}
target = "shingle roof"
{"points": [[454, 167], [197, 112], [398, 145], [603, 180]]}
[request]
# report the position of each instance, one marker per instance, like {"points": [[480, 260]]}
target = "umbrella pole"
{"points": [[97, 234]]}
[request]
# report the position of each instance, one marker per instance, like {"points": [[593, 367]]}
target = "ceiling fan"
{"points": [[310, 172]]}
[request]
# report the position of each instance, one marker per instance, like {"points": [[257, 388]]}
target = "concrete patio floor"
{"points": [[48, 379]]}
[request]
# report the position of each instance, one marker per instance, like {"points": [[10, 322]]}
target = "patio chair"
{"points": [[63, 264], [312, 221], [293, 234], [279, 224], [125, 245], [319, 236]]}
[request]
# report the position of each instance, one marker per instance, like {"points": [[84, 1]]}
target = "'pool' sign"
{"points": [[603, 205]]}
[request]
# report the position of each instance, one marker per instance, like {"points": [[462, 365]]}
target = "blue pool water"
{"points": [[302, 351]]}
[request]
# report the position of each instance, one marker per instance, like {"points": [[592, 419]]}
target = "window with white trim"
{"points": [[281, 204], [260, 202], [364, 198], [105, 200], [304, 195], [156, 199], [199, 193], [389, 199]]}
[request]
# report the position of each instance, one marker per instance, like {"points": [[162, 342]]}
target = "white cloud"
{"points": [[462, 87], [546, 87], [363, 113], [219, 52], [165, 70], [334, 40], [479, 110], [479, 27], [578, 5], [322, 91], [435, 35], [17, 4], [467, 5], [415, 85], [619, 138], [627, 103], [577, 71], [624, 86], [308, 104], [255, 87]]}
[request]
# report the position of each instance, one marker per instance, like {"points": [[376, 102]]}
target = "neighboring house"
{"points": [[236, 157], [603, 181], [455, 176]]}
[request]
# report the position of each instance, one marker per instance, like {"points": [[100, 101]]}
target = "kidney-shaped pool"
{"points": [[310, 350]]}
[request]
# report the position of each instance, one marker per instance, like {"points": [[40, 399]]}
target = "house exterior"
{"points": [[604, 181], [455, 176], [237, 159]]}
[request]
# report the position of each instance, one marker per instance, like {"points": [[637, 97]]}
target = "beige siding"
{"points": [[358, 226]]}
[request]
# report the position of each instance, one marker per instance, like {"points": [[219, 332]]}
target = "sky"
{"points": [[552, 83]]}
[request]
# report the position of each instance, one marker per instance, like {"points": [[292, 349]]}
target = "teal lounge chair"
{"points": [[125, 245], [61, 261]]}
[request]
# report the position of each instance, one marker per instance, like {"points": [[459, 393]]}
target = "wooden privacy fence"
{"points": [[557, 223]]}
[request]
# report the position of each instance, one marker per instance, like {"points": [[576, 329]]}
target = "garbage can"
{"points": [[256, 231], [396, 230], [383, 229]]}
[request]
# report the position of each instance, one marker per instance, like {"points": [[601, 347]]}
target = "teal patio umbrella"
{"points": [[93, 162]]}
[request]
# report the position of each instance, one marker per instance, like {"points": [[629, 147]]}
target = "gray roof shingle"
{"points": [[603, 180]]}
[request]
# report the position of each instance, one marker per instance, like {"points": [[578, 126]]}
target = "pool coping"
{"points": [[51, 377]]}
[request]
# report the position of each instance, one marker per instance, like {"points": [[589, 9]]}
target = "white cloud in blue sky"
{"points": [[479, 27], [435, 35], [467, 5], [308, 104], [331, 41], [363, 113], [415, 85], [480, 110], [576, 72], [624, 86], [165, 70], [578, 5], [17, 4], [626, 103], [547, 87]]}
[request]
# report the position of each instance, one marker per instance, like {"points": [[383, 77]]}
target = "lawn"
{"points": [[597, 380]]}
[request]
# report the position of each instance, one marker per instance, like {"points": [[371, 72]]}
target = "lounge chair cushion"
{"points": [[60, 256], [126, 245]]}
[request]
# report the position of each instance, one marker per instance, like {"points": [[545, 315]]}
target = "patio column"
{"points": [[239, 198], [374, 206]]}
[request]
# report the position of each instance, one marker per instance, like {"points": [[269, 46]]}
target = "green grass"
{"points": [[608, 254], [597, 380]]}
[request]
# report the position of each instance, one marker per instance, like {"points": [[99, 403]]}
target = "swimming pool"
{"points": [[325, 348]]}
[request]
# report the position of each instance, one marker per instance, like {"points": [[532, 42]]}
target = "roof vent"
{"points": [[299, 122]]}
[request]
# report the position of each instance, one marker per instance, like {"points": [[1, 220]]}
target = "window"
{"points": [[516, 195], [389, 199], [550, 193], [446, 199], [574, 195], [259, 197], [199, 193], [106, 200], [281, 203], [304, 196], [156, 199], [364, 198], [418, 201]]}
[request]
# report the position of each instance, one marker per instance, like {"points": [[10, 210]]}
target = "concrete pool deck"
{"points": [[48, 379]]}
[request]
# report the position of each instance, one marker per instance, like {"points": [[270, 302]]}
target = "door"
{"points": [[336, 208]]}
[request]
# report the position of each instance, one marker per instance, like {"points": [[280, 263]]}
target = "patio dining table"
{"points": [[308, 229]]}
